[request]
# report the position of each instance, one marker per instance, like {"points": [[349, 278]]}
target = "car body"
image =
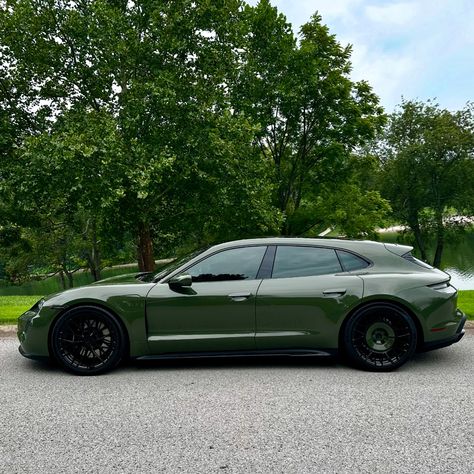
{"points": [[372, 301]]}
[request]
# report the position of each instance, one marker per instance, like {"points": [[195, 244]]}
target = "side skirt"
{"points": [[262, 353]]}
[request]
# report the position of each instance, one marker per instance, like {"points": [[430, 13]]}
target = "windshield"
{"points": [[174, 264]]}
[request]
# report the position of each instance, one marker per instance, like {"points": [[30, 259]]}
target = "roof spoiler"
{"points": [[398, 249]]}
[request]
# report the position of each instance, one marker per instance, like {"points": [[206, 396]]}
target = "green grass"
{"points": [[466, 302], [12, 306]]}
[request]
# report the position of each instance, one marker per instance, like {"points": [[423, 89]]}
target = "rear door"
{"points": [[303, 303]]}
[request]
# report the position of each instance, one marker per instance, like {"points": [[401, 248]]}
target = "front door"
{"points": [[216, 313]]}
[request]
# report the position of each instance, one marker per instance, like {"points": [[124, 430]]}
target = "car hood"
{"points": [[129, 278], [134, 284]]}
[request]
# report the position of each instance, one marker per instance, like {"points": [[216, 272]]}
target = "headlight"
{"points": [[37, 306]]}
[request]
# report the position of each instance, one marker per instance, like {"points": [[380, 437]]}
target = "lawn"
{"points": [[466, 302], [12, 306]]}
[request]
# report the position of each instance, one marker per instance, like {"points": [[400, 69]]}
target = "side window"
{"points": [[351, 262], [234, 264], [304, 261]]}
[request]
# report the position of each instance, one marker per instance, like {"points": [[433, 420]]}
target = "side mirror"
{"points": [[181, 281]]}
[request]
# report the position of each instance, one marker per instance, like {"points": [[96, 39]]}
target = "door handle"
{"points": [[239, 296], [334, 291]]}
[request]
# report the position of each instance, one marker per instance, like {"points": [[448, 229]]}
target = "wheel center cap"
{"points": [[380, 336]]}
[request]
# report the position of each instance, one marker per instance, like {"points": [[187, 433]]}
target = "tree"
{"points": [[136, 92], [428, 157], [311, 115], [177, 122]]}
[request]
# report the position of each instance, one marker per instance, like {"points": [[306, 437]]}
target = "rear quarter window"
{"points": [[351, 262]]}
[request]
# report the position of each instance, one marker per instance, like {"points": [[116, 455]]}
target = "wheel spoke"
{"points": [[71, 341], [86, 341], [382, 338]]}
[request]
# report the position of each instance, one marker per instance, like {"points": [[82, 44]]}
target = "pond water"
{"points": [[458, 259]]}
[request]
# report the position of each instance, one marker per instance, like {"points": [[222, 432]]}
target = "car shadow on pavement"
{"points": [[423, 360], [237, 362]]}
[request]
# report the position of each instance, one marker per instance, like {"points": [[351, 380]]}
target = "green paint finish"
{"points": [[312, 308], [187, 318], [264, 313]]}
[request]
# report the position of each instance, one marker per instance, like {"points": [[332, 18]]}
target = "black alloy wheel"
{"points": [[380, 337], [87, 340]]}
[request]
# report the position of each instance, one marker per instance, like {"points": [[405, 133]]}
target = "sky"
{"points": [[418, 49]]}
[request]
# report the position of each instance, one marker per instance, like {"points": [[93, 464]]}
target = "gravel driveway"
{"points": [[240, 416]]}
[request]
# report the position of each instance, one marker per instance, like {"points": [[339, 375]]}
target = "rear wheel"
{"points": [[87, 340], [380, 337]]}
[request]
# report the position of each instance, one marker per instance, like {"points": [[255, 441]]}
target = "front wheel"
{"points": [[87, 340], [380, 337]]}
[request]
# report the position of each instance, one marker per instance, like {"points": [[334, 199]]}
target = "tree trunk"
{"points": [[439, 241], [68, 274], [146, 259], [93, 257], [93, 263], [95, 253], [62, 279], [419, 241], [70, 279]]}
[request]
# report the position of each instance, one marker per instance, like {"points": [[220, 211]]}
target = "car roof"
{"points": [[355, 245]]}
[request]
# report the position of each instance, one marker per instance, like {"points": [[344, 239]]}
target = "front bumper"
{"points": [[33, 331], [429, 346], [32, 356]]}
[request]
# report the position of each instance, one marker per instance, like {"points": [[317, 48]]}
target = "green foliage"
{"points": [[136, 123], [427, 156], [311, 115], [129, 129], [356, 212]]}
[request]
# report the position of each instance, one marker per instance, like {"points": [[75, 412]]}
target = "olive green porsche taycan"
{"points": [[375, 303]]}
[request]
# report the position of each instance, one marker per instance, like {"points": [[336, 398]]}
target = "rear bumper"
{"points": [[429, 346]]}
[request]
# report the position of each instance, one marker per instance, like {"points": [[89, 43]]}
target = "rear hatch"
{"points": [[404, 251]]}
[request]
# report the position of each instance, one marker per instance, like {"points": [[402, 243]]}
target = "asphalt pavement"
{"points": [[294, 415]]}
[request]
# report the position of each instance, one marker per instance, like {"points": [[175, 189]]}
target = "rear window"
{"points": [[351, 262], [293, 262], [408, 256]]}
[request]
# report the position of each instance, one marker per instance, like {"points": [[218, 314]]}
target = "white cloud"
{"points": [[384, 72], [395, 13], [412, 48]]}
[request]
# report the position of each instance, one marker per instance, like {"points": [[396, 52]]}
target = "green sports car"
{"points": [[374, 303]]}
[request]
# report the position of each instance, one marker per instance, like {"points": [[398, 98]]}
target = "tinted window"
{"points": [[304, 261], [351, 262], [235, 264]]}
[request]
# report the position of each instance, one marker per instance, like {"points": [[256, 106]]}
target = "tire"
{"points": [[380, 337], [87, 340]]}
